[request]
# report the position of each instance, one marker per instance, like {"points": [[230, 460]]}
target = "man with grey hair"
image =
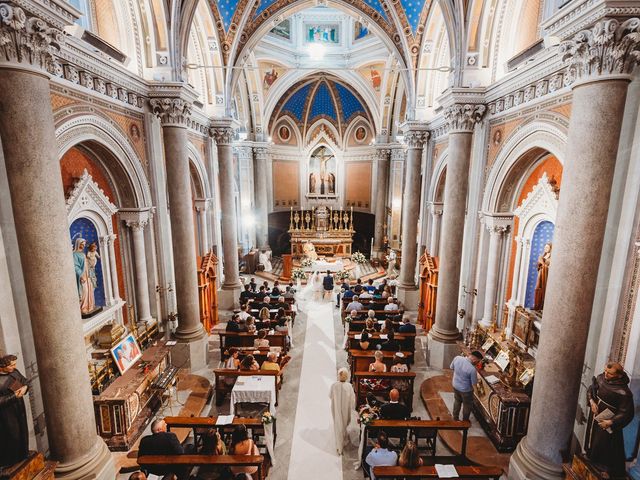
{"points": [[343, 405], [160, 442], [355, 304]]}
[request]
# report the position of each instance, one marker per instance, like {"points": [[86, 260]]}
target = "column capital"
{"points": [[497, 222], [136, 219], [29, 39], [172, 103], [436, 208], [415, 134], [462, 117], [383, 153], [261, 151], [610, 48], [202, 204], [222, 130]]}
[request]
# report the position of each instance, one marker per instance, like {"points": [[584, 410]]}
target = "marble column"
{"points": [[222, 133], [497, 230], [203, 207], [436, 221], [136, 221], [603, 57], [106, 271], [114, 270], [172, 104], [415, 136], [42, 230], [461, 119], [261, 174], [383, 162]]}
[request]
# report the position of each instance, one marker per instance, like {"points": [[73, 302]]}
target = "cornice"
{"points": [[57, 13]]}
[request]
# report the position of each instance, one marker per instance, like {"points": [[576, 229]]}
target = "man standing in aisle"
{"points": [[327, 284], [465, 377]]}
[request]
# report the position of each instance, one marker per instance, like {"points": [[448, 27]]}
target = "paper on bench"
{"points": [[384, 336], [224, 419], [446, 471], [491, 379]]}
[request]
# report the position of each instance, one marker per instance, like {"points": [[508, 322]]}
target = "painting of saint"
{"points": [[322, 172], [126, 353], [360, 31], [361, 134], [322, 33], [376, 79], [269, 78], [283, 30], [284, 133]]}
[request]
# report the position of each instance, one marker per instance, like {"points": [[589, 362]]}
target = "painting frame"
{"points": [[325, 36], [522, 326], [124, 363]]}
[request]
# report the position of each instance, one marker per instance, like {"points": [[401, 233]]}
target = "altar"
{"points": [[321, 231]]}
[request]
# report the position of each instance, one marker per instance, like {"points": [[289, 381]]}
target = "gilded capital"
{"points": [[172, 111], [222, 135], [27, 40], [610, 47], [462, 117]]}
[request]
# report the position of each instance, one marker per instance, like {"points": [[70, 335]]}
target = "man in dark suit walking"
{"points": [[327, 283]]}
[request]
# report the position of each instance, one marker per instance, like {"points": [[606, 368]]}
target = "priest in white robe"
{"points": [[343, 406], [263, 258]]}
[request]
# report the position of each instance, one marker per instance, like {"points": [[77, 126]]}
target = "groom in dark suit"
{"points": [[327, 283]]}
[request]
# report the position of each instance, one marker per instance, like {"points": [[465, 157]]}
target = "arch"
{"points": [[521, 150], [203, 189], [96, 131], [436, 187]]}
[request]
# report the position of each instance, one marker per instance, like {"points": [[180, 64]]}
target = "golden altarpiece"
{"points": [[329, 232]]}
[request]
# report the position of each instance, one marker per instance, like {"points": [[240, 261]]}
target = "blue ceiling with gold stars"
{"points": [[413, 9]]}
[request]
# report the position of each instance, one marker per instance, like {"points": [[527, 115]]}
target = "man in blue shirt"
{"points": [[465, 376], [380, 455]]}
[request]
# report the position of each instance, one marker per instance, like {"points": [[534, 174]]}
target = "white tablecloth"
{"points": [[323, 266], [254, 389]]}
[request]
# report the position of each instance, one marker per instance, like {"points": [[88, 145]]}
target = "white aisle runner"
{"points": [[313, 451]]}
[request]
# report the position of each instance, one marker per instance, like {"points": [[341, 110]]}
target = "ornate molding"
{"points": [[383, 154], [261, 153], [609, 47], [88, 199], [27, 40], [462, 117], [222, 135], [172, 111], [415, 134], [136, 219]]}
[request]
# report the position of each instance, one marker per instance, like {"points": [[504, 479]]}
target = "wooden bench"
{"points": [[190, 461], [464, 471], [406, 396], [245, 339], [200, 425], [222, 388], [381, 314], [359, 325], [360, 360], [407, 340]]}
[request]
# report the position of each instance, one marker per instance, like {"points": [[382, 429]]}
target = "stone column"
{"points": [[106, 271], [461, 119], [602, 58], [42, 230], [382, 159], [261, 174], [112, 266], [415, 136], [436, 220], [137, 220], [497, 229], [223, 135], [202, 207], [172, 104]]}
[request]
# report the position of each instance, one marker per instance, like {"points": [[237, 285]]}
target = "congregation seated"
{"points": [[276, 290], [246, 295], [391, 345], [391, 305], [264, 317], [232, 362], [244, 312], [212, 444], [407, 326], [264, 303], [358, 287], [281, 303], [241, 444], [366, 295], [261, 341], [388, 326], [394, 409], [364, 341], [369, 287], [410, 456], [370, 323], [380, 455], [399, 366], [249, 363], [288, 293], [260, 295], [271, 363], [233, 324], [378, 365], [160, 442], [253, 285], [348, 293], [251, 325], [355, 304]]}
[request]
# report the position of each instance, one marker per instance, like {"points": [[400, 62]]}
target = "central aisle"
{"points": [[313, 452]]}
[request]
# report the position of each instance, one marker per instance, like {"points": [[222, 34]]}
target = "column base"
{"points": [[525, 465], [408, 295], [98, 465], [191, 354], [229, 297], [441, 352]]}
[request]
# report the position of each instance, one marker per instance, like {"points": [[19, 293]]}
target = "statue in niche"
{"points": [[92, 260], [84, 282], [322, 177], [543, 273]]}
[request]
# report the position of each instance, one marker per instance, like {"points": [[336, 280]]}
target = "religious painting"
{"points": [[322, 172], [284, 133], [373, 75], [126, 353], [134, 131], [270, 76], [87, 262], [361, 134], [360, 31], [521, 326], [283, 29], [322, 33]]}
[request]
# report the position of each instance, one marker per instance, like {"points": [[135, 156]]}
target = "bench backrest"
{"points": [[361, 389], [429, 471]]}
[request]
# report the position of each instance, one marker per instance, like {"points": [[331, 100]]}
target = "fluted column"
{"points": [[382, 159], [112, 266], [415, 136], [461, 119], [261, 173], [202, 207], [172, 104], [497, 228], [602, 58], [29, 144], [436, 221], [136, 221], [223, 135]]}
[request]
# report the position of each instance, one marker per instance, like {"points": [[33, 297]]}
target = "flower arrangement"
{"points": [[267, 418], [359, 257], [298, 274], [368, 414], [306, 263], [343, 275]]}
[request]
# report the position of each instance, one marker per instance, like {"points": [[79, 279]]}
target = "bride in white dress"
{"points": [[309, 292]]}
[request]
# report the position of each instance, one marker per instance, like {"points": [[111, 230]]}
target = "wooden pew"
{"points": [[407, 340], [361, 359], [190, 461], [199, 426], [222, 388], [381, 313], [359, 325], [361, 390], [428, 471], [245, 339]]}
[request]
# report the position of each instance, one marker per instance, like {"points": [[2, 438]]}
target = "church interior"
{"points": [[296, 239]]}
